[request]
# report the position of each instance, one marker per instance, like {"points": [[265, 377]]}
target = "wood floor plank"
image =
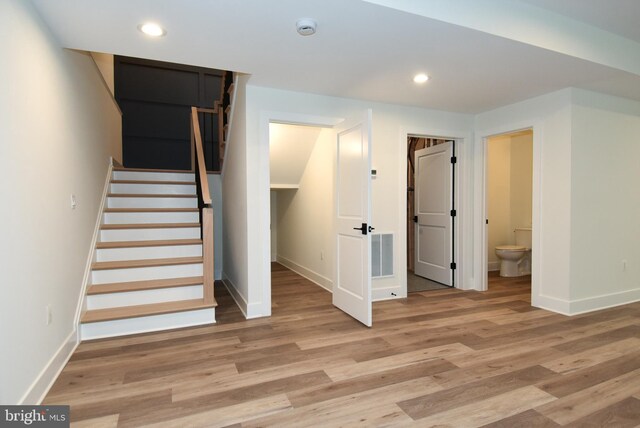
{"points": [[450, 357], [592, 357], [528, 419], [580, 380], [422, 407], [219, 400], [368, 382], [490, 410], [584, 402], [360, 405], [110, 421], [623, 414]]}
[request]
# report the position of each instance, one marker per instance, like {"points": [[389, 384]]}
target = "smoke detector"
{"points": [[306, 27]]}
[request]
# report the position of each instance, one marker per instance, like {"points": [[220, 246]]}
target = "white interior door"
{"points": [[433, 204], [352, 286]]}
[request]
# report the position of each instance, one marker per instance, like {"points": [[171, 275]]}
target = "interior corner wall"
{"points": [[58, 127], [605, 203], [305, 217], [235, 201], [551, 114]]}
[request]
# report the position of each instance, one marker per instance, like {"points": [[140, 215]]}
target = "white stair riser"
{"points": [[149, 234], [169, 189], [153, 217], [153, 176], [145, 273], [131, 298], [127, 326], [145, 253], [151, 202]]}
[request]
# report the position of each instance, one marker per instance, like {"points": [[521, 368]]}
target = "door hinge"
{"points": [[415, 218], [453, 213], [454, 159], [453, 265]]}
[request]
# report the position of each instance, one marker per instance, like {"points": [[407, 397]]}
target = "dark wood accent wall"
{"points": [[156, 98]]}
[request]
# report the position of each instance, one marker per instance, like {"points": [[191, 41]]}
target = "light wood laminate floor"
{"points": [[438, 358]]}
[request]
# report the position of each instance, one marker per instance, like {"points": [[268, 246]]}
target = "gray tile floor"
{"points": [[417, 283]]}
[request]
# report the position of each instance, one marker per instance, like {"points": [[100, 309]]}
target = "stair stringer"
{"points": [[81, 306]]}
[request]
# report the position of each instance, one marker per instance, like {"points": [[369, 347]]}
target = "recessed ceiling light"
{"points": [[420, 78], [152, 29]]}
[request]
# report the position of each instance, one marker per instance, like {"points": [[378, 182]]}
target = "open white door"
{"points": [[352, 286], [433, 206]]}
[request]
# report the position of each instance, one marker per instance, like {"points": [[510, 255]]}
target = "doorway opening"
{"points": [[509, 210], [301, 194], [431, 212]]}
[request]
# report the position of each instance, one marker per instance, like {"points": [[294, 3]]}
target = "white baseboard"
{"points": [[590, 304], [604, 301], [493, 266], [249, 310], [552, 304], [43, 383], [312, 276], [235, 294]]}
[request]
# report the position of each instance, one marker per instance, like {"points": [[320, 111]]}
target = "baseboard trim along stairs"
{"points": [[148, 269]]}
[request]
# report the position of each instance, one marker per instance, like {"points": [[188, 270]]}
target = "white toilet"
{"points": [[515, 260]]}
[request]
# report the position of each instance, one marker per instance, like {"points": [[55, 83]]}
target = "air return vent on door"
{"points": [[381, 255]]}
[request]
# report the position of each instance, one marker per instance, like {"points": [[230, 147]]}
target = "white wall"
{"points": [[605, 201], [234, 205], [58, 127], [390, 125], [521, 178], [305, 217], [498, 196]]}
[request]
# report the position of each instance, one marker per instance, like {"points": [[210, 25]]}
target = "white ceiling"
{"points": [[368, 51]]}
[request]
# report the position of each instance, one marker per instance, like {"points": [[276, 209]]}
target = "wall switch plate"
{"points": [[49, 315], [74, 202]]}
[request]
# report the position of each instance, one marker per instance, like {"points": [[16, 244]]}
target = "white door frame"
{"points": [[264, 195], [481, 252], [462, 246]]}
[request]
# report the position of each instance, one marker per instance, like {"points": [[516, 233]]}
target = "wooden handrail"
{"points": [[200, 167]]}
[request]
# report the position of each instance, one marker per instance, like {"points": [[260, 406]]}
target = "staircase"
{"points": [[148, 273]]}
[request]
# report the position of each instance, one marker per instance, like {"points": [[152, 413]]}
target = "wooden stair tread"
{"points": [[150, 195], [191, 183], [151, 210], [119, 287], [156, 243], [127, 264], [111, 314], [173, 171], [147, 226]]}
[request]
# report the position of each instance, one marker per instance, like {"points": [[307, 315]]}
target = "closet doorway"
{"points": [[430, 212]]}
